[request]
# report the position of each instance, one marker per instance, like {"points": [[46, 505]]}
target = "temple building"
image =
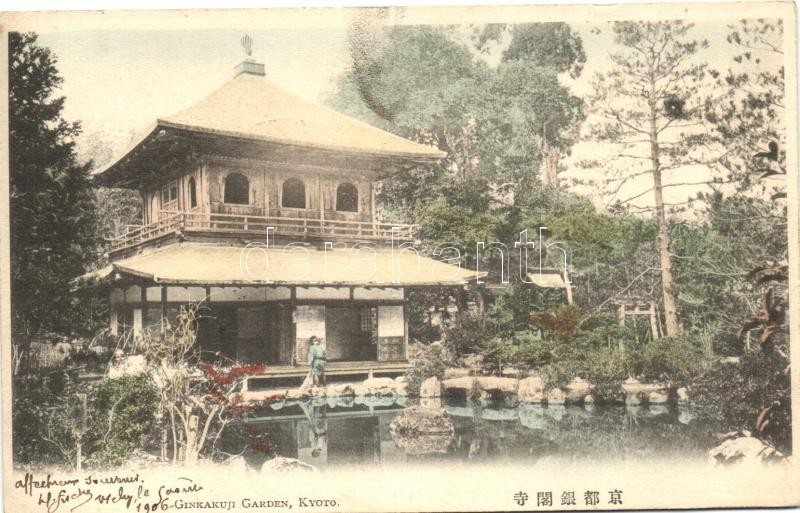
{"points": [[261, 207]]}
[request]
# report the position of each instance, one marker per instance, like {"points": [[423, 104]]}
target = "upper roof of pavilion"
{"points": [[250, 114]]}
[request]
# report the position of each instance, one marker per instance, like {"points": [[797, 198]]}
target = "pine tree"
{"points": [[649, 104]]}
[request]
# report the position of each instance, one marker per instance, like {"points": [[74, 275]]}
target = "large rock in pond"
{"points": [[531, 390], [419, 430], [281, 464], [555, 396], [576, 391], [431, 388], [381, 387], [295, 394], [495, 385], [465, 385], [341, 390], [637, 392], [742, 448], [658, 397], [532, 416]]}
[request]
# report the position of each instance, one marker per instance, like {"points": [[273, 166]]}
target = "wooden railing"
{"points": [[172, 222]]}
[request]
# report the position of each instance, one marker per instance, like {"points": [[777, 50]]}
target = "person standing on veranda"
{"points": [[316, 360]]}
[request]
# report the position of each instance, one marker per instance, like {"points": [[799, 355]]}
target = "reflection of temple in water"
{"points": [[330, 434], [322, 436]]}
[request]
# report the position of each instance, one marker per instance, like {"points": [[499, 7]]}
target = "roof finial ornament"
{"points": [[247, 44], [249, 66]]}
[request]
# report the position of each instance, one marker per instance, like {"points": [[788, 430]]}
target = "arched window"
{"points": [[294, 194], [237, 189], [192, 193], [347, 198]]}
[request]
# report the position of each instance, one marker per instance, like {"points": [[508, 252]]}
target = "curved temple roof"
{"points": [[214, 265], [251, 107]]}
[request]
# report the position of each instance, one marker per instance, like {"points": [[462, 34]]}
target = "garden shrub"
{"points": [[734, 394], [125, 413], [42, 420], [432, 361], [670, 359], [469, 334]]}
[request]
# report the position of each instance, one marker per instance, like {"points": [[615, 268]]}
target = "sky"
{"points": [[118, 82]]}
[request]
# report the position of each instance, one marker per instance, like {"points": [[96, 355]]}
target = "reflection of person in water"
{"points": [[316, 360], [318, 426]]}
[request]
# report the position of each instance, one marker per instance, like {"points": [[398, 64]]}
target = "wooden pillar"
{"points": [[293, 324], [265, 178], [654, 321], [163, 309], [321, 203], [372, 209], [621, 314]]}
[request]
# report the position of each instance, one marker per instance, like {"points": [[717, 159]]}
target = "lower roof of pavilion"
{"points": [[195, 265]]}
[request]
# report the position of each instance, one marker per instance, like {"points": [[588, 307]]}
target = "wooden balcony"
{"points": [[171, 223]]}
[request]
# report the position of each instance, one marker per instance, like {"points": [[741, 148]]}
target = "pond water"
{"points": [[328, 435]]}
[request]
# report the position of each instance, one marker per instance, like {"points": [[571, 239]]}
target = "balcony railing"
{"points": [[187, 222]]}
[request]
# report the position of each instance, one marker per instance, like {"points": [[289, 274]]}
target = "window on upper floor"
{"points": [[192, 193], [237, 189], [169, 196], [347, 198], [293, 194]]}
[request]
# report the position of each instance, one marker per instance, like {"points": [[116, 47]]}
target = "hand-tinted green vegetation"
{"points": [[494, 100]]}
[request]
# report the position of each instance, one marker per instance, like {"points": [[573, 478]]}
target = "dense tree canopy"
{"points": [[52, 203], [434, 85]]}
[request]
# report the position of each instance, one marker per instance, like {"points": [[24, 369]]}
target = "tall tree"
{"points": [[531, 104], [434, 85], [52, 203], [747, 115], [648, 104]]}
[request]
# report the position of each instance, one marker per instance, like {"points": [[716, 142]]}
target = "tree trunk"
{"points": [[548, 169], [672, 322]]}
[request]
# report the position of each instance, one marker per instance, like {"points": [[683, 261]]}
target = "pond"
{"points": [[328, 434]]}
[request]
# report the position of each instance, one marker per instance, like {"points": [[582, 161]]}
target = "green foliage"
{"points": [[523, 349], [125, 413], [747, 111], [46, 418], [468, 335], [602, 355], [552, 45], [419, 301], [51, 199], [608, 355], [734, 395], [713, 259], [116, 208], [597, 239], [670, 359], [426, 84], [432, 362], [599, 350], [511, 311], [43, 419], [455, 225]]}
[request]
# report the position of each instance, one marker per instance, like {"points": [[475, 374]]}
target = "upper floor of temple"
{"points": [[251, 156]]}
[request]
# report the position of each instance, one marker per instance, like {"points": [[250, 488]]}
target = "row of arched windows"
{"points": [[293, 193]]}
